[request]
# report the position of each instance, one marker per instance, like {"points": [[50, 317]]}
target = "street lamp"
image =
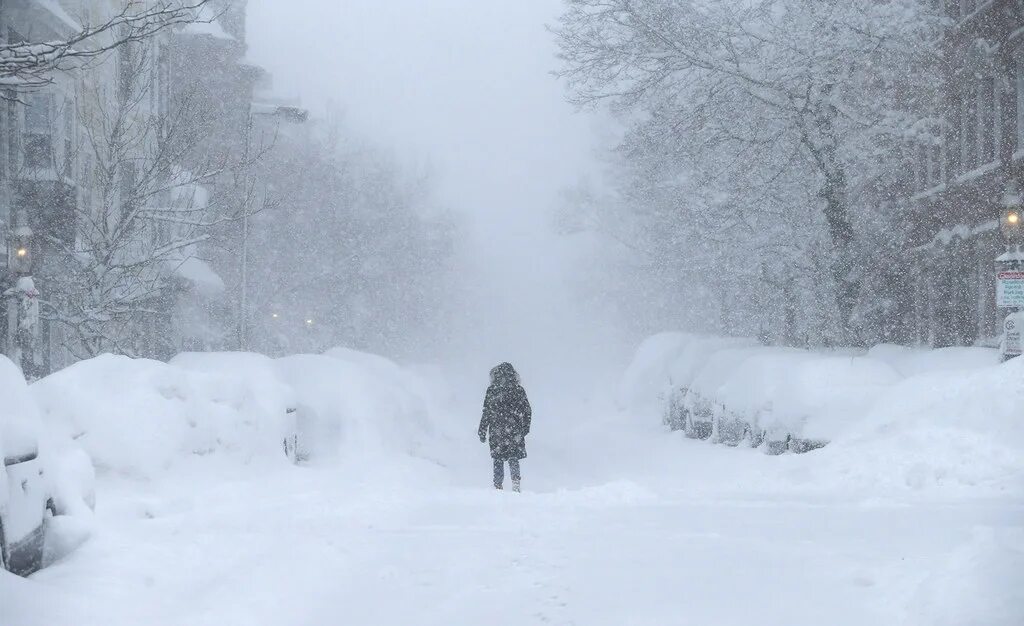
{"points": [[1011, 217], [19, 248], [1010, 224], [22, 297]]}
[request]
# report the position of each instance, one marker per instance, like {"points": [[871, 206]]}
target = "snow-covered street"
{"points": [[731, 291], [680, 534]]}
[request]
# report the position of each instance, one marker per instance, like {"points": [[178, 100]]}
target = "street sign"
{"points": [[1012, 344], [1010, 289]]}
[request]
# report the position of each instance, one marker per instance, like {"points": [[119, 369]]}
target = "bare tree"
{"points": [[32, 63], [145, 215], [756, 111]]}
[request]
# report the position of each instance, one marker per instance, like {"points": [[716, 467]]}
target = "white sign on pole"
{"points": [[1010, 289], [1013, 344]]}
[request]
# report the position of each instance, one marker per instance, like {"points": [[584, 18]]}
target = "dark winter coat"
{"points": [[506, 418]]}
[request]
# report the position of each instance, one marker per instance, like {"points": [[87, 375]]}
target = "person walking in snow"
{"points": [[506, 418]]}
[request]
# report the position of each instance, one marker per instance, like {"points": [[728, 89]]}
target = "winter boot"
{"points": [[517, 486], [498, 487]]}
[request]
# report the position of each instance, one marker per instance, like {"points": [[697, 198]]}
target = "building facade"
{"points": [[966, 169], [60, 171]]}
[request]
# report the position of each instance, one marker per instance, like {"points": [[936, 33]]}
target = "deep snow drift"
{"points": [[947, 420], [910, 516]]}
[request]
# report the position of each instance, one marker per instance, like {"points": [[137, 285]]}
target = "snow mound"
{"points": [[941, 430], [140, 418], [356, 405], [664, 361], [893, 417], [68, 471]]}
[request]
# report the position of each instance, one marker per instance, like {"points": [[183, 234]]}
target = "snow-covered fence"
{"points": [[737, 392]]}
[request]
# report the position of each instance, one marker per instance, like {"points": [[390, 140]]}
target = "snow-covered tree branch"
{"points": [[29, 63]]}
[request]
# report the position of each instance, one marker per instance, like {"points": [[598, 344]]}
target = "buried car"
{"points": [[25, 501], [39, 477]]}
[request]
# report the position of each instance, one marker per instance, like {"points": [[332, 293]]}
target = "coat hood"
{"points": [[504, 375]]}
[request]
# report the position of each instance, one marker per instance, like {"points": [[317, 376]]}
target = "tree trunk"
{"points": [[834, 192]]}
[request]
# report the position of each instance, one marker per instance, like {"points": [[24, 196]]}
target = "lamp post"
{"points": [[22, 297], [1010, 274]]}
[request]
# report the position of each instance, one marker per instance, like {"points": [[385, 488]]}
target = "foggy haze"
{"points": [[467, 88]]}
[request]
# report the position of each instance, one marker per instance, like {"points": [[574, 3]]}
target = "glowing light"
{"points": [[1013, 218], [309, 322], [275, 316], [22, 253]]}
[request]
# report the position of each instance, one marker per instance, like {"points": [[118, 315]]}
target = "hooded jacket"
{"points": [[506, 415]]}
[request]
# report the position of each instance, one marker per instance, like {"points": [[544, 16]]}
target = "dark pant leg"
{"points": [[499, 472], [513, 466]]}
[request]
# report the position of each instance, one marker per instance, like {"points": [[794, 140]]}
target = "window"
{"points": [[978, 114], [987, 112], [929, 166], [13, 132], [38, 148], [935, 174], [921, 168], [967, 120], [1019, 84]]}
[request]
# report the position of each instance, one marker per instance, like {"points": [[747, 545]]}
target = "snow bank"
{"points": [[356, 405], [664, 361], [139, 418], [954, 429], [892, 416], [19, 418]]}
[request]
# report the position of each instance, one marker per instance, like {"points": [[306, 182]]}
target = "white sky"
{"points": [[465, 85]]}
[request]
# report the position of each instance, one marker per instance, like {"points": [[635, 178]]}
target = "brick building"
{"points": [[967, 171]]}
